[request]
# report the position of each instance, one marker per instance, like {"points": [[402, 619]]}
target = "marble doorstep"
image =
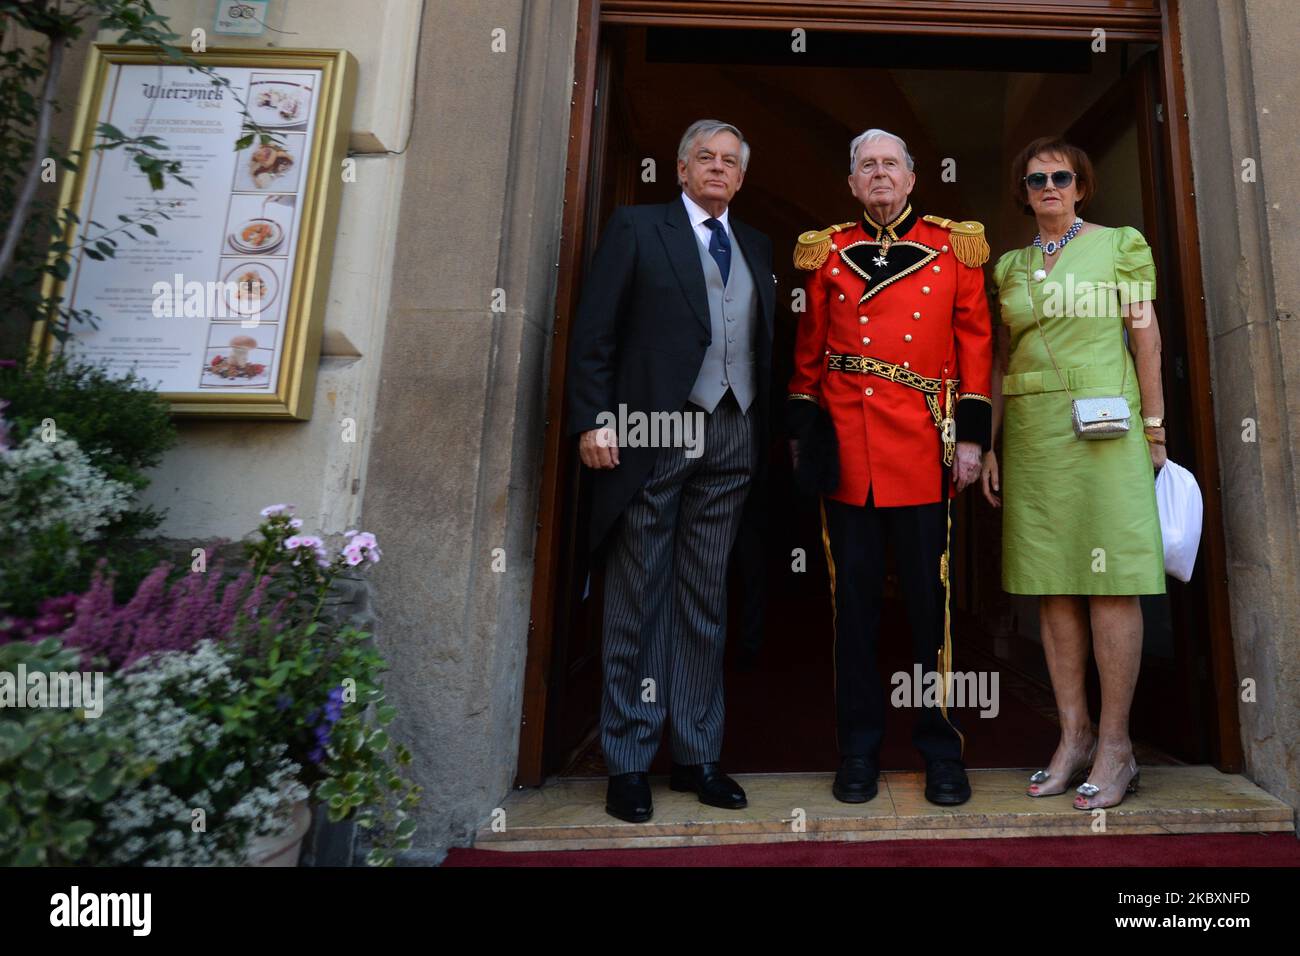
{"points": [[569, 813]]}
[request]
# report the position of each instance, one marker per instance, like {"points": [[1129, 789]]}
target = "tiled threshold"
{"points": [[569, 813]]}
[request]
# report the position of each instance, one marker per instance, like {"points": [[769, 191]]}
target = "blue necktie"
{"points": [[720, 247]]}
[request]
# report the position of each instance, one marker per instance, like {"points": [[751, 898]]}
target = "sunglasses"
{"points": [[1060, 179]]}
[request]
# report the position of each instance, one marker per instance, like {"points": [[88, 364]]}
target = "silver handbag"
{"points": [[1093, 418], [1103, 417]]}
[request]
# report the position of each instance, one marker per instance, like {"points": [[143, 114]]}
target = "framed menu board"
{"points": [[215, 292]]}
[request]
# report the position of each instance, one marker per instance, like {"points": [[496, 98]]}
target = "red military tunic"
{"points": [[921, 309]]}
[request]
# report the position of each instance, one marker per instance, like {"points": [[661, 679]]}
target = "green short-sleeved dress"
{"points": [[1079, 517]]}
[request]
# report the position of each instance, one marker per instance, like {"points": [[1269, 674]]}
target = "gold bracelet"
{"points": [[1154, 441]]}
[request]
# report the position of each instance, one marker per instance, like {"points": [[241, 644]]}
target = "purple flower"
{"points": [[334, 705], [283, 703]]}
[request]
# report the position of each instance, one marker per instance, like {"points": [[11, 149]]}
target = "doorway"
{"points": [[963, 114]]}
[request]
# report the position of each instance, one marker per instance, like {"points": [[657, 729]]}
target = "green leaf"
{"points": [[14, 739], [62, 775], [102, 786]]}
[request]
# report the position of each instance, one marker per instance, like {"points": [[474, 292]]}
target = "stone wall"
{"points": [[456, 454], [1242, 88]]}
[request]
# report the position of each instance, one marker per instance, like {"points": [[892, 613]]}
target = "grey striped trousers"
{"points": [[665, 620]]}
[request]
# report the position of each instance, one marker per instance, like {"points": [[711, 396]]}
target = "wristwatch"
{"points": [[1152, 421]]}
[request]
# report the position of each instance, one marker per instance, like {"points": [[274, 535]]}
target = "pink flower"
{"points": [[271, 511]]}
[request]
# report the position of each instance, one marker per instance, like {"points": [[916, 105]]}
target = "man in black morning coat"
{"points": [[676, 317]]}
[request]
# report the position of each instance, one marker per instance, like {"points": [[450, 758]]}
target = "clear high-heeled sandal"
{"points": [[1090, 790], [1076, 775]]}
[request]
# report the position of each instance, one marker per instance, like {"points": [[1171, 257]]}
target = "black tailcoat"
{"points": [[641, 332]]}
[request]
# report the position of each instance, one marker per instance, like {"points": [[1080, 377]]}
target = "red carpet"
{"points": [[1199, 849]]}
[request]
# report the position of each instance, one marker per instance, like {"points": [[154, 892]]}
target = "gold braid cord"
{"points": [[814, 246], [968, 243], [945, 567]]}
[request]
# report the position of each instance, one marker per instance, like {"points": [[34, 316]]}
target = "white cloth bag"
{"points": [[1178, 499]]}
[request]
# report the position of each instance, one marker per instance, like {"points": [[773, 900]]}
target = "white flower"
{"points": [[71, 489]]}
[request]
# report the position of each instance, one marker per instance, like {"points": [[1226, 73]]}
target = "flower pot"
{"points": [[282, 849]]}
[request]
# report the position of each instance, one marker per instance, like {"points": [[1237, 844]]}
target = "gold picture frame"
{"points": [[310, 247]]}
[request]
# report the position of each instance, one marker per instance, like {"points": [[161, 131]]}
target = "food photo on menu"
{"points": [[237, 356], [278, 101], [251, 290], [270, 167], [259, 225]]}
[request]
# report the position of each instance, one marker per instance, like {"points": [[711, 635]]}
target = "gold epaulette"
{"points": [[815, 245], [968, 243]]}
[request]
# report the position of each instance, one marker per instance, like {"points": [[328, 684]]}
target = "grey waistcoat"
{"points": [[733, 315]]}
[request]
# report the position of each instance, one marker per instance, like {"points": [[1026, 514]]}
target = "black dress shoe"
{"points": [[946, 783], [628, 797], [857, 780], [714, 787]]}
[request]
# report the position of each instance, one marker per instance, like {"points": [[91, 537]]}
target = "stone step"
{"points": [[569, 813]]}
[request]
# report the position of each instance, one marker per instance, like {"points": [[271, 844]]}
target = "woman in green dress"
{"points": [[1080, 526]]}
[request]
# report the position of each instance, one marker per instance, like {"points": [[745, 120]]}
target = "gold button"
{"points": [[835, 248], [907, 337], [925, 290], [867, 392], [828, 351], [936, 268], [835, 272], [841, 296], [944, 249], [916, 315], [862, 320], [865, 340], [907, 365]]}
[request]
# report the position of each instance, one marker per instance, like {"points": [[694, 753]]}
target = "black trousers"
{"points": [[856, 539]]}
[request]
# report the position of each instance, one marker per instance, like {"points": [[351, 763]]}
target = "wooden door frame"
{"points": [[1154, 21]]}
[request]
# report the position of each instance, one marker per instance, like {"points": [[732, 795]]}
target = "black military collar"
{"points": [[896, 229], [883, 260]]}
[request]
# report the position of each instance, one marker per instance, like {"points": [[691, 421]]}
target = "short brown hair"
{"points": [[1086, 179]]}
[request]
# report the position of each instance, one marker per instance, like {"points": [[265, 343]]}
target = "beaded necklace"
{"points": [[1055, 246]]}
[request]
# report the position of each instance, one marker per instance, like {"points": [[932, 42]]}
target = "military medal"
{"points": [[880, 261]]}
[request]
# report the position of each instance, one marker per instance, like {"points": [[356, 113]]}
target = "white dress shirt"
{"points": [[697, 215]]}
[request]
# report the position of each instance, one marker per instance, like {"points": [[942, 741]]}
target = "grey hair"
{"points": [[707, 128], [872, 135]]}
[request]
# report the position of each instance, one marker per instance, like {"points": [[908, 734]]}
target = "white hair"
{"points": [[871, 136], [706, 128]]}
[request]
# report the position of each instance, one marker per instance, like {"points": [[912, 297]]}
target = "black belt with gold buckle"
{"points": [[866, 365], [932, 387]]}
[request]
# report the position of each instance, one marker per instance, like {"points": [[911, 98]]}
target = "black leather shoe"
{"points": [[857, 780], [946, 783], [628, 797], [714, 787]]}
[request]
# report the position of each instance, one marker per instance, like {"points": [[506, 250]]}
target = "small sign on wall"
{"points": [[245, 18]]}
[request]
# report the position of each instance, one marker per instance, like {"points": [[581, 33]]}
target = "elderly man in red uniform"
{"points": [[890, 413]]}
